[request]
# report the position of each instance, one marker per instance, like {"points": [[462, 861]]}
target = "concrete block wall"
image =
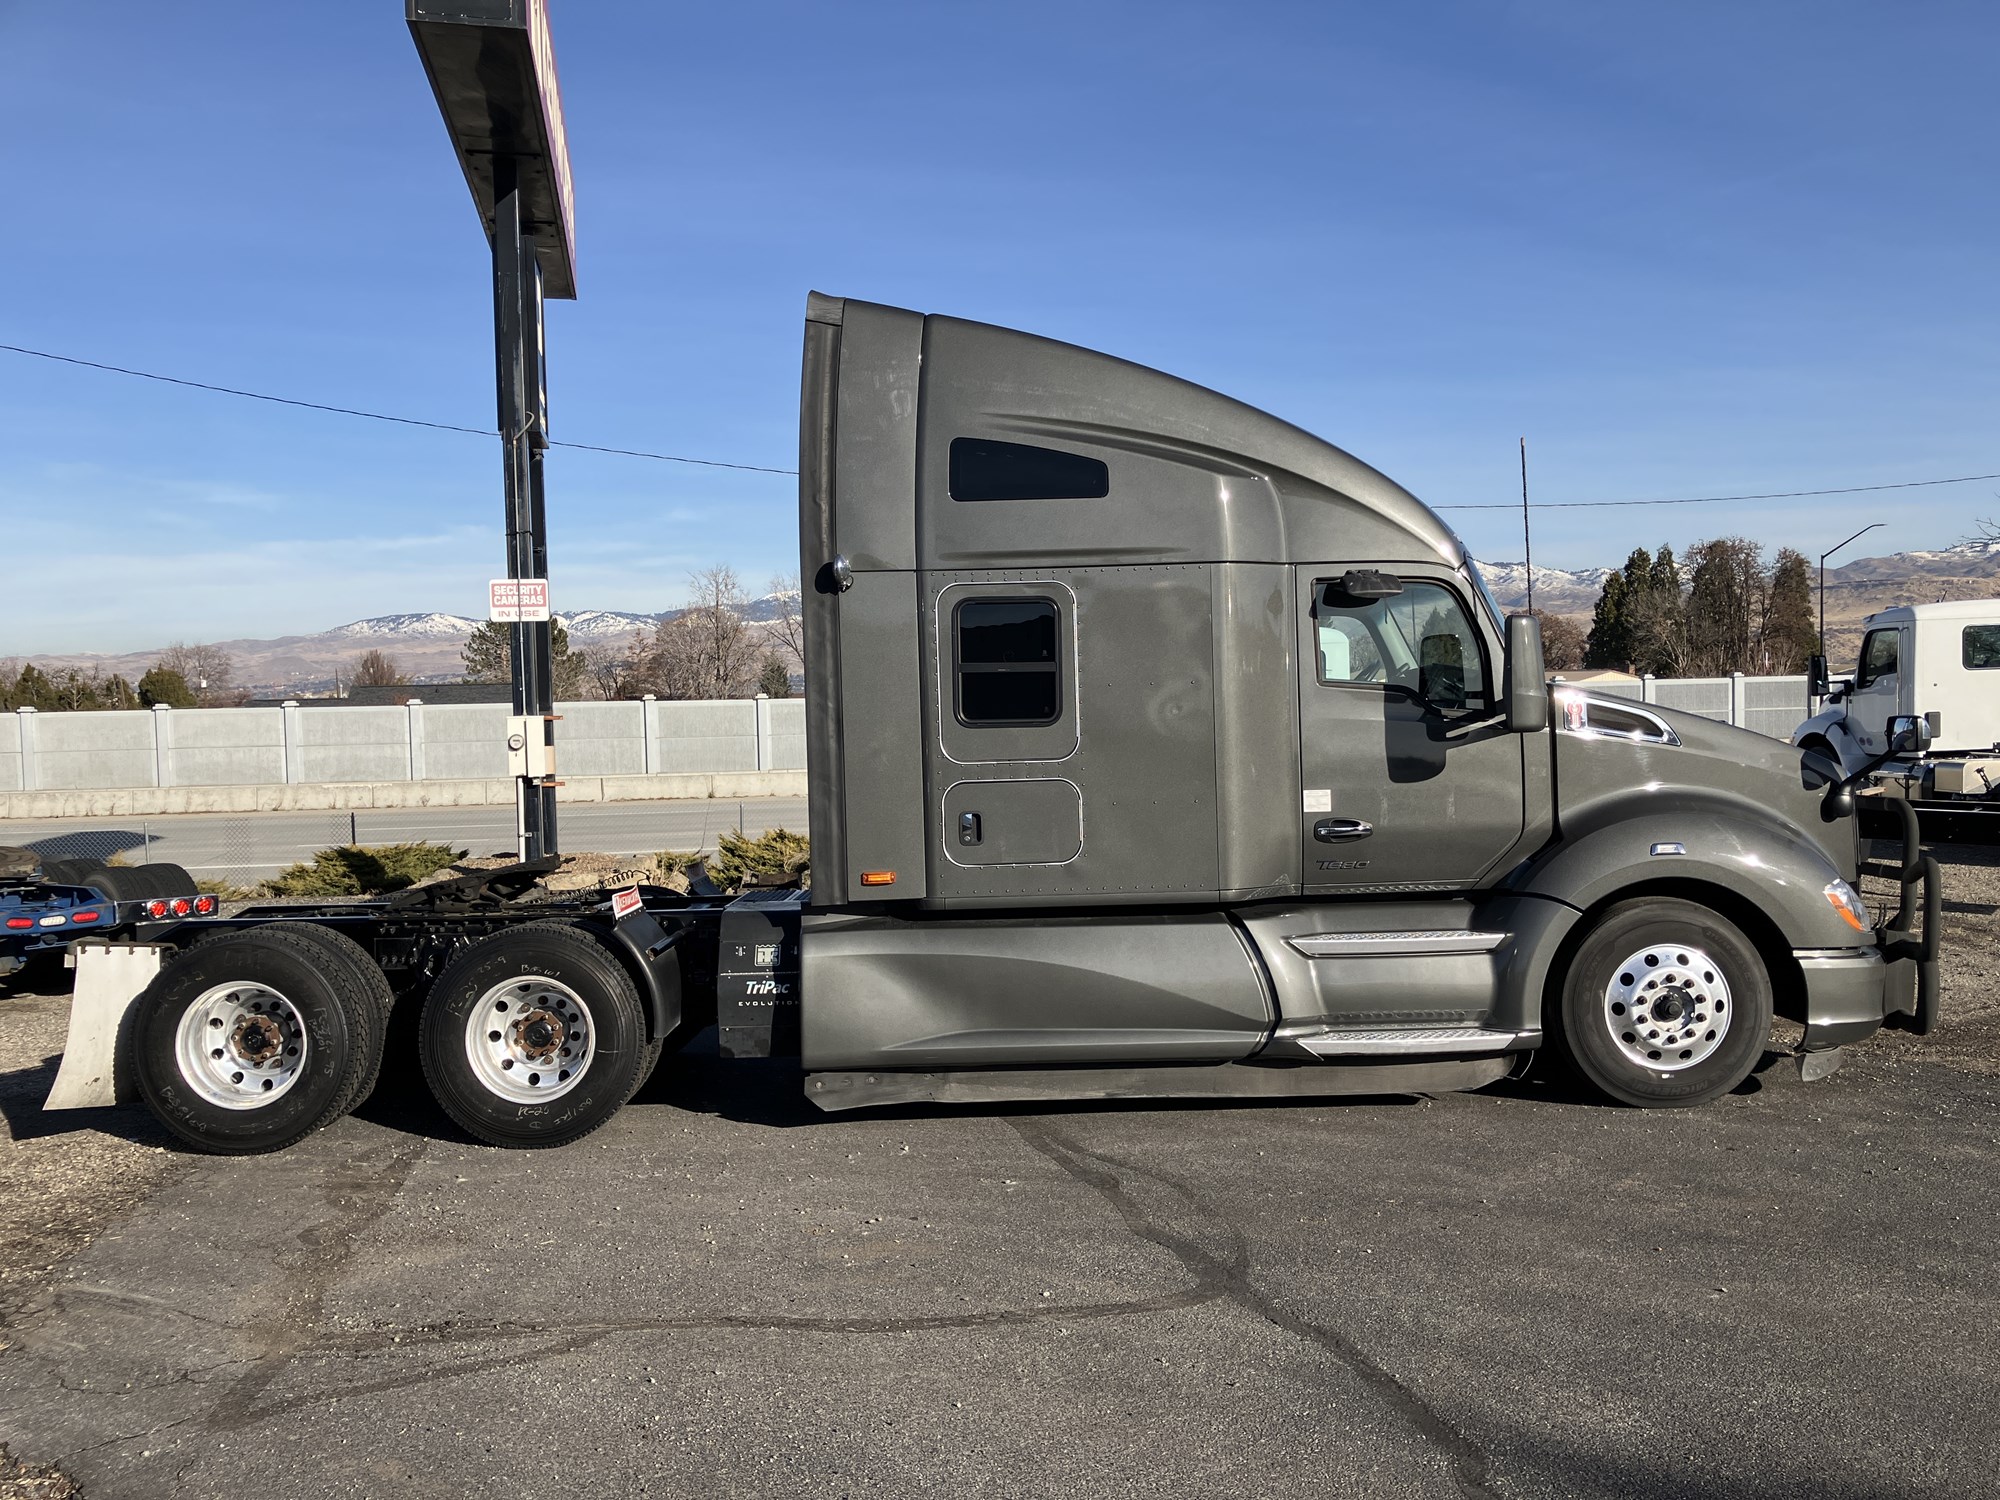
{"points": [[347, 744], [1770, 705]]}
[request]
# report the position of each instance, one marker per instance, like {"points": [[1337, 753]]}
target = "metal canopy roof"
{"points": [[492, 66]]}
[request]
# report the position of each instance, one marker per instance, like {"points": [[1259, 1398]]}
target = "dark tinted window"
{"points": [[1982, 647], [982, 469], [1008, 661], [1878, 657]]}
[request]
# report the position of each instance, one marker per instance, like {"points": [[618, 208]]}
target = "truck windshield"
{"points": [[1486, 598]]}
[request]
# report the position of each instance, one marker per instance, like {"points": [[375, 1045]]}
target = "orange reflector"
{"points": [[878, 877]]}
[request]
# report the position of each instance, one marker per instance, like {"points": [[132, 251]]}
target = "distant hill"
{"points": [[426, 647]]}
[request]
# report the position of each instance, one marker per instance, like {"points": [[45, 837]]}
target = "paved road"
{"points": [[722, 1293], [244, 847]]}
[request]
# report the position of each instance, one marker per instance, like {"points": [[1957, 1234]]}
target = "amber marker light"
{"points": [[1842, 898], [878, 877]]}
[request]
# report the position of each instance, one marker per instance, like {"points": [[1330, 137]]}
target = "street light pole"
{"points": [[1822, 579]]}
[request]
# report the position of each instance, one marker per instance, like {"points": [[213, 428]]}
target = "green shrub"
{"points": [[775, 858], [355, 870]]}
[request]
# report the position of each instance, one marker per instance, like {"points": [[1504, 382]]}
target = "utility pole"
{"points": [[1822, 579], [1527, 538], [492, 67]]}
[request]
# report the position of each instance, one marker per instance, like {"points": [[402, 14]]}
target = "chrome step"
{"points": [[1388, 944], [1375, 1041]]}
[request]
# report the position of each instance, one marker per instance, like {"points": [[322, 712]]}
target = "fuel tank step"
{"points": [[1375, 1041]]}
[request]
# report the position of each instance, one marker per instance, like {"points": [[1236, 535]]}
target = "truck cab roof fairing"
{"points": [[1196, 476]]}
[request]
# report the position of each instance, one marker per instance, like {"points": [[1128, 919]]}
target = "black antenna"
{"points": [[1527, 541]]}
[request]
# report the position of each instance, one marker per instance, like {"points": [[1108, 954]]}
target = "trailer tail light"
{"points": [[878, 877], [85, 916], [183, 907], [156, 908], [204, 906], [18, 922]]}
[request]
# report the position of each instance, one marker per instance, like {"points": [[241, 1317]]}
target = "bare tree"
{"points": [[707, 650], [208, 670], [605, 672], [378, 669], [785, 631], [1563, 640]]}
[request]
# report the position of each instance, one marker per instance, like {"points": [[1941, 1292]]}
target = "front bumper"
{"points": [[1852, 992]]}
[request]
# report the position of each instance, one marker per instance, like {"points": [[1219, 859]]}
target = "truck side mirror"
{"points": [[1817, 686], [1909, 733], [1527, 687]]}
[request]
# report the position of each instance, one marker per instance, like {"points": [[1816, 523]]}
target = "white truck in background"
{"points": [[1936, 664]]}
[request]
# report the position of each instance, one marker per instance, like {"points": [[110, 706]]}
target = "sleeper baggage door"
{"points": [[1407, 784]]}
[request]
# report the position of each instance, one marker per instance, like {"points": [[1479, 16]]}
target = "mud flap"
{"points": [[110, 977]]}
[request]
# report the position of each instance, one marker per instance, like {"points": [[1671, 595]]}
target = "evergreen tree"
{"points": [[1789, 635], [488, 656], [32, 689], [165, 685], [774, 681]]}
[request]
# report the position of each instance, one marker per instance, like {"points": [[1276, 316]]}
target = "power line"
{"points": [[715, 463], [373, 416], [1852, 489]]}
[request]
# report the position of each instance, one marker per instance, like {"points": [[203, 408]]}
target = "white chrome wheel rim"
{"points": [[241, 1046], [530, 1039], [1668, 1007]]}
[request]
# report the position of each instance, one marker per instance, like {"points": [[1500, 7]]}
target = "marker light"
{"points": [[20, 922], [156, 908], [878, 877], [204, 906], [85, 916], [182, 906], [1842, 898]]}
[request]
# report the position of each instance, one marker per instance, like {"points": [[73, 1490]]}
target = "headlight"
{"points": [[1844, 899]]}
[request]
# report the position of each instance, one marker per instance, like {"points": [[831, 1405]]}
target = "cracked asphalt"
{"points": [[1513, 1293]]}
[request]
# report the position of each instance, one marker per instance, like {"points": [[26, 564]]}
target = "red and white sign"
{"points": [[624, 903], [513, 600]]}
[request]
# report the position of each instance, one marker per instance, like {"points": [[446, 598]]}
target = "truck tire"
{"points": [[364, 979], [1665, 1004], [140, 882], [250, 1041], [70, 871], [534, 1037]]}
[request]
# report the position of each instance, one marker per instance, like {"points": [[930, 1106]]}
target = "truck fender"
{"points": [[647, 950], [1765, 878], [1830, 726]]}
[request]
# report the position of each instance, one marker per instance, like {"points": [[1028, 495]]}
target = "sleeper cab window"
{"points": [[985, 469], [1420, 640], [1981, 647], [1007, 662]]}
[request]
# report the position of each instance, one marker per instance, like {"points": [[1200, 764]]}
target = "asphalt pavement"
{"points": [[725, 1293], [243, 847]]}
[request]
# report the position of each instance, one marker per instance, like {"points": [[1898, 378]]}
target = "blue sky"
{"points": [[1688, 249]]}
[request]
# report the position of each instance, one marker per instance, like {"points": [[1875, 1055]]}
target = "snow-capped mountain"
{"points": [[1559, 591], [429, 627]]}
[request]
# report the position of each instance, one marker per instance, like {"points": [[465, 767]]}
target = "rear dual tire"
{"points": [[251, 1041]]}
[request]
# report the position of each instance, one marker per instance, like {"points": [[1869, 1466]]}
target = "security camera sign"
{"points": [[514, 600]]}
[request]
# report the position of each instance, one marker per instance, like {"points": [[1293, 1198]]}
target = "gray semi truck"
{"points": [[1156, 748]]}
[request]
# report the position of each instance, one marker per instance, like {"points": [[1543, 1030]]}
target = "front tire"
{"points": [[534, 1037], [1666, 1004]]}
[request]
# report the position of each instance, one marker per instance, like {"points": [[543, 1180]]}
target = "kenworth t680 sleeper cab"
{"points": [[1156, 747]]}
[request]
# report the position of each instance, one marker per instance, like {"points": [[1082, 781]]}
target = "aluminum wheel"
{"points": [[1667, 1007], [530, 1039], [240, 1046]]}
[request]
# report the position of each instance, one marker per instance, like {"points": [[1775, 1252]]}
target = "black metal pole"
{"points": [[1822, 579], [517, 297]]}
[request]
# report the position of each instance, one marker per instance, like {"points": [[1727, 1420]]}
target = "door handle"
{"points": [[1340, 830]]}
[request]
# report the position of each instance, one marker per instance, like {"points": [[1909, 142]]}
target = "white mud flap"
{"points": [[109, 978]]}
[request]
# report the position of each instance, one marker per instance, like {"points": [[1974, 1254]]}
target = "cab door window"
{"points": [[1878, 658], [1420, 643]]}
